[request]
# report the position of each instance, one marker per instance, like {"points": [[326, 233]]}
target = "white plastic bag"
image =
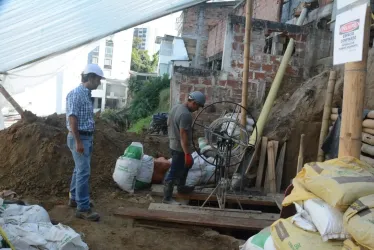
{"points": [[327, 219], [125, 173], [44, 236], [302, 219], [145, 170], [17, 214]]}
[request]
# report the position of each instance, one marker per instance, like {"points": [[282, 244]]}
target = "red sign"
{"points": [[349, 27]]}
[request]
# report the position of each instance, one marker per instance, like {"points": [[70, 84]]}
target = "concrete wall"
{"points": [[216, 38]]}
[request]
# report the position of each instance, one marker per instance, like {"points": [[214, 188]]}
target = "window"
{"points": [[163, 69], [95, 60], [166, 49], [107, 62], [109, 51]]}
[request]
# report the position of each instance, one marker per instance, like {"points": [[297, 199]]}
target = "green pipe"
{"points": [[276, 85]]}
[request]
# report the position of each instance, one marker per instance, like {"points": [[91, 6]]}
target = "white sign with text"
{"points": [[349, 35], [343, 3]]}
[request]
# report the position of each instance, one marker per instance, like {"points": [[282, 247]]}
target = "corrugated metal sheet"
{"points": [[33, 29]]}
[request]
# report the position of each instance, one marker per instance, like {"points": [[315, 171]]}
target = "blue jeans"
{"points": [[178, 172], [79, 187]]}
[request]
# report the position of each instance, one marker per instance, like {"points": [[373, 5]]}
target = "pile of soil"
{"points": [[35, 159]]}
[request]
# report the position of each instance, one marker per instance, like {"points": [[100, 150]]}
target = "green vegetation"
{"points": [[140, 60], [163, 106], [147, 97], [117, 117]]}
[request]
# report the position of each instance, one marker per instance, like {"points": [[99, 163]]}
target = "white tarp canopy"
{"points": [[34, 29]]}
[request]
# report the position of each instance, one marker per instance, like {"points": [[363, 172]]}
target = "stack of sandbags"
{"points": [[335, 207], [367, 149]]}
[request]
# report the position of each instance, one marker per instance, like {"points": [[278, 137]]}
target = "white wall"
{"points": [[179, 52], [122, 49]]}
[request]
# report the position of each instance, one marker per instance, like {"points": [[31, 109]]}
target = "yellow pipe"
{"points": [[276, 85], [4, 236]]}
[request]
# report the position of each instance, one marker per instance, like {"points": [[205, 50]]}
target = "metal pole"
{"points": [[353, 100], [247, 48], [11, 100]]}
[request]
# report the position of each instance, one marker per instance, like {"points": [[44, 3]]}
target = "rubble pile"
{"points": [[35, 160]]}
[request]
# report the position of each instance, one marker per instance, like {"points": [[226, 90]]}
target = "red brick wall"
{"points": [[263, 9], [216, 38]]}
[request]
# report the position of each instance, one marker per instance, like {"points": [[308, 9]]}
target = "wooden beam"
{"points": [[353, 99], [279, 167], [194, 219], [300, 159], [247, 48], [261, 166], [326, 115], [157, 190], [234, 213], [271, 168], [10, 99]]}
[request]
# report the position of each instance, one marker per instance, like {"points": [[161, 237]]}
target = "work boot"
{"points": [[185, 189], [73, 203], [87, 215], [168, 193]]}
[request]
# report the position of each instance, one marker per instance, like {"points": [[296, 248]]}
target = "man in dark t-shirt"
{"points": [[180, 143]]}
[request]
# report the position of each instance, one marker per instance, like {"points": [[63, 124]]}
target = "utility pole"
{"points": [[353, 99], [247, 49]]}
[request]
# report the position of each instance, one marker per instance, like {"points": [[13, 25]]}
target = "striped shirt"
{"points": [[79, 104]]}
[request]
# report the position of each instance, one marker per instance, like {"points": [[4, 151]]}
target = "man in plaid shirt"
{"points": [[81, 125]]}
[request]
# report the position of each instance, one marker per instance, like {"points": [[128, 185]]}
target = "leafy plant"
{"points": [[118, 117]]}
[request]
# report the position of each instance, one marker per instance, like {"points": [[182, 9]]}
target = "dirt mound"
{"points": [[35, 160]]}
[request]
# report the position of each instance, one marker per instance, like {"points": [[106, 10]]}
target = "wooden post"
{"points": [[300, 159], [247, 48], [10, 99], [353, 100], [261, 166], [326, 115], [271, 168]]}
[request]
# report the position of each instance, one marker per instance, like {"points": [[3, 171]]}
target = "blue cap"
{"points": [[198, 97]]}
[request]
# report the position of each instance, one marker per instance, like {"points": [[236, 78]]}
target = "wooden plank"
{"points": [[279, 167], [234, 213], [157, 190], [271, 168], [278, 198], [267, 184], [194, 219], [261, 166], [300, 159]]}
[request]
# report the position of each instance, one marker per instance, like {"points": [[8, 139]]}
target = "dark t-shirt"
{"points": [[179, 117]]}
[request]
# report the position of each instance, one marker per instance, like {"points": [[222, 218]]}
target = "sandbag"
{"points": [[368, 123], [145, 170], [339, 182], [260, 241], [368, 130], [302, 219], [327, 219], [370, 114], [351, 245], [359, 221], [125, 173], [30, 236], [298, 193], [134, 151], [367, 149], [367, 159], [17, 214], [368, 138], [287, 236], [161, 167]]}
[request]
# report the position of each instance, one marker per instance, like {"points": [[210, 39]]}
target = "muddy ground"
{"points": [[36, 163]]}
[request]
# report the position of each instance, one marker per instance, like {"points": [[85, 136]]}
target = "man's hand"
{"points": [[79, 147], [188, 160]]}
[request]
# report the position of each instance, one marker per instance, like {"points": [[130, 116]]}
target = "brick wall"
{"points": [[216, 39], [197, 22], [216, 85], [262, 9]]}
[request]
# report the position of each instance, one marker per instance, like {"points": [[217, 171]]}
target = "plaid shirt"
{"points": [[79, 104]]}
